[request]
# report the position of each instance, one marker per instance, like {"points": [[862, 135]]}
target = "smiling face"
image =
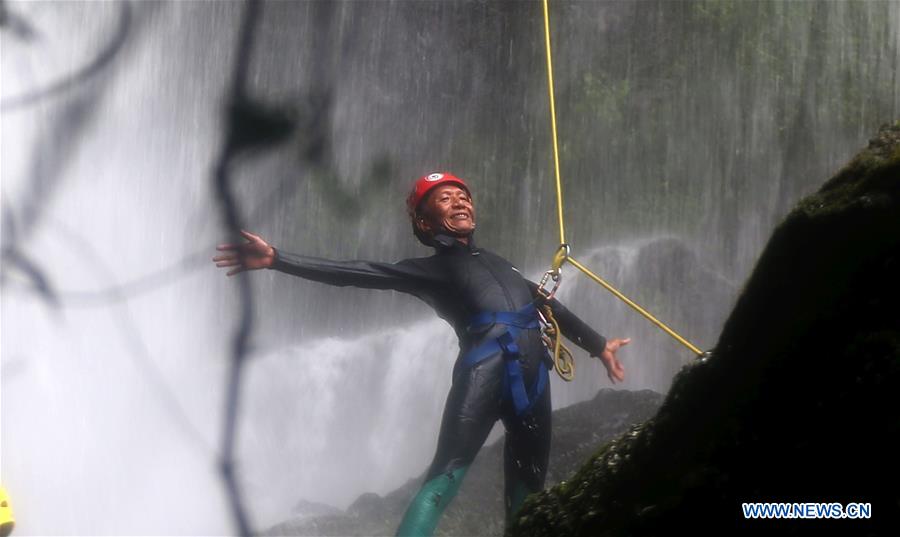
{"points": [[448, 208]]}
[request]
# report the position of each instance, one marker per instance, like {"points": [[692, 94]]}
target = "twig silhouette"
{"points": [[81, 75], [136, 287], [12, 256], [15, 24], [133, 339], [235, 139]]}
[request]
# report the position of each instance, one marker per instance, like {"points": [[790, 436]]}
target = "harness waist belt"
{"points": [[514, 381]]}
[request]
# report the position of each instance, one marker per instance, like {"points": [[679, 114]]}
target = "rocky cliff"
{"points": [[800, 401]]}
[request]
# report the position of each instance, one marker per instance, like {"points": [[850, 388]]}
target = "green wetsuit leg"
{"points": [[515, 495], [425, 510], [472, 408], [526, 454]]}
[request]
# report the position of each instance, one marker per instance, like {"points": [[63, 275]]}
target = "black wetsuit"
{"points": [[460, 281]]}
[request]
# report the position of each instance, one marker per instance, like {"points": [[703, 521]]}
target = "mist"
{"points": [[687, 130]]}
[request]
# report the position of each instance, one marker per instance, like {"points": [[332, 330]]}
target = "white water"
{"points": [[111, 414]]}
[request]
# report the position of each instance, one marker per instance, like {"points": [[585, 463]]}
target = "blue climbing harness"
{"points": [[514, 382]]}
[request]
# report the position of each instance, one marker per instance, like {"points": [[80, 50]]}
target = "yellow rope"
{"points": [[562, 254], [559, 196], [563, 362], [637, 308]]}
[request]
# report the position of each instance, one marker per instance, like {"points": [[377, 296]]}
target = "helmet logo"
{"points": [[434, 177]]}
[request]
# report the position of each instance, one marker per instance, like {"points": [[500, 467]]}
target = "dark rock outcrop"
{"points": [[800, 401], [578, 430]]}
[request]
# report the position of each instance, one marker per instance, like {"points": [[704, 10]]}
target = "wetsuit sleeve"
{"points": [[572, 327], [410, 275]]}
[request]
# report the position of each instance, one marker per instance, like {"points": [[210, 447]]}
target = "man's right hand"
{"points": [[251, 255]]}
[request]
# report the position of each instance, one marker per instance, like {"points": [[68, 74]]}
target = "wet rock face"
{"points": [[478, 508], [800, 401]]}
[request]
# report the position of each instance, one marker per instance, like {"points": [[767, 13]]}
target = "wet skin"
{"points": [[450, 208]]}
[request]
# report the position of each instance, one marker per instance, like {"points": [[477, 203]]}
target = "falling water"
{"points": [[687, 130]]}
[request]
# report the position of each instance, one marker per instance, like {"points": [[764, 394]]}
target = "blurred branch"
{"points": [[141, 285], [15, 24], [238, 116], [128, 327], [56, 145], [132, 335], [12, 257], [47, 162], [81, 75]]}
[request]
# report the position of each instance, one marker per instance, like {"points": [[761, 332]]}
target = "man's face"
{"points": [[448, 207]]}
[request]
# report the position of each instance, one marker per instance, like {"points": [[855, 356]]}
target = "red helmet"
{"points": [[424, 184]]}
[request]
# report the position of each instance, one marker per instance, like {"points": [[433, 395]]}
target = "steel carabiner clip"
{"points": [[556, 276], [555, 272]]}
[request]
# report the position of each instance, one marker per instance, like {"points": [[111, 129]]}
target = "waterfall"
{"points": [[687, 130]]}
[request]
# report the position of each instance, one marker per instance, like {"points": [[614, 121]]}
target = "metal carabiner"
{"points": [[556, 276], [555, 272]]}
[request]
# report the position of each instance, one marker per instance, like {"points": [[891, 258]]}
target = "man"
{"points": [[501, 370]]}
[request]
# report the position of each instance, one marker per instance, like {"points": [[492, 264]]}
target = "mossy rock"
{"points": [[800, 402]]}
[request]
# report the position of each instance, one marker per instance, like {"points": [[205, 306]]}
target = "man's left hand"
{"points": [[614, 369]]}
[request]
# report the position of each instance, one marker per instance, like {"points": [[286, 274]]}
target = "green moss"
{"points": [[895, 156], [872, 174]]}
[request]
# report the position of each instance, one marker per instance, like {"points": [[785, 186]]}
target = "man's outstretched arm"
{"points": [[408, 275]]}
